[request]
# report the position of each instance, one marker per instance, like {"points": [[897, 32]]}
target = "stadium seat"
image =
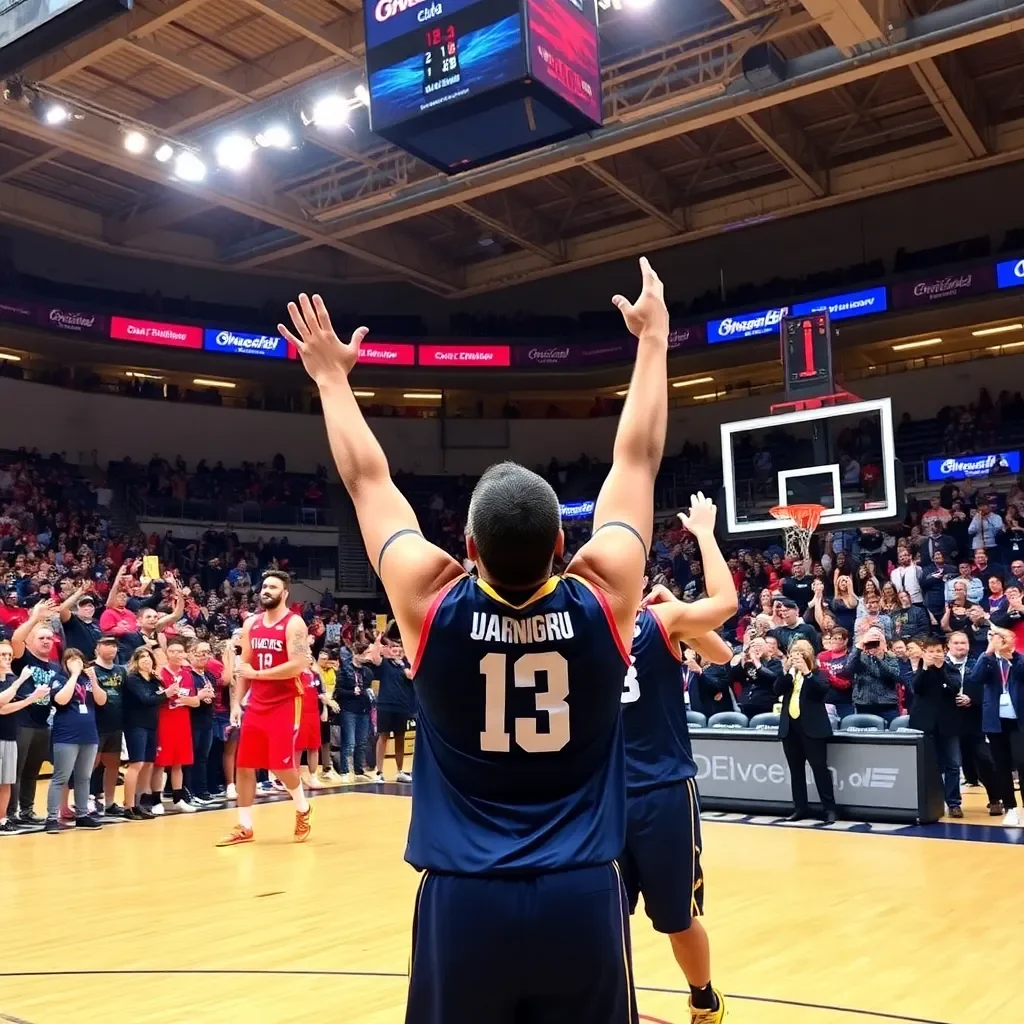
{"points": [[862, 723], [765, 721], [728, 720], [903, 722], [696, 719]]}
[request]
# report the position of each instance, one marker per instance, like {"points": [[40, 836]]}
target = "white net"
{"points": [[798, 526]]}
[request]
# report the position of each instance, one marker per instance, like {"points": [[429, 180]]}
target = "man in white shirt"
{"points": [[907, 576], [985, 528]]}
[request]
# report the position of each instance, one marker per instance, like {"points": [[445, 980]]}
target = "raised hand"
{"points": [[648, 315], [658, 595], [701, 516], [322, 353]]}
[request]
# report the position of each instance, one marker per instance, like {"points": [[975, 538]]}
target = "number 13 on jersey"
{"points": [[552, 702]]}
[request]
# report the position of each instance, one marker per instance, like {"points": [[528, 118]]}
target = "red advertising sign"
{"points": [[465, 355], [387, 353], [148, 332]]}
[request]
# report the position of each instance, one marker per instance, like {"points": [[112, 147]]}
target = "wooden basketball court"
{"points": [[148, 923]]}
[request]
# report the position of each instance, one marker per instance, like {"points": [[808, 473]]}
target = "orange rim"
{"points": [[805, 516]]}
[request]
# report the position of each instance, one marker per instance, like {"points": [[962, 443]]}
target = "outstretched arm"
{"points": [[411, 569], [615, 557]]}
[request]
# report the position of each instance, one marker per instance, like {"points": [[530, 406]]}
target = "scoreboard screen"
{"points": [[420, 57], [807, 354]]}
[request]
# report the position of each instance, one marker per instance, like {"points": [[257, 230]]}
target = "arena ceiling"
{"points": [[878, 96]]}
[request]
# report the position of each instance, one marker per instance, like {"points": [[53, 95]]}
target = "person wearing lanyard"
{"points": [[76, 695], [805, 729], [997, 683]]}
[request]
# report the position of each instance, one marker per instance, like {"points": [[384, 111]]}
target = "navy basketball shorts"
{"points": [[662, 855], [543, 949]]}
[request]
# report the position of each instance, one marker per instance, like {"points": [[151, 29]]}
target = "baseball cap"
{"points": [[87, 599], [107, 638], [785, 602]]}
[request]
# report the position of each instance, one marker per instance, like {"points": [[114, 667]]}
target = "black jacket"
{"points": [[970, 716], [934, 710], [758, 694], [813, 721]]}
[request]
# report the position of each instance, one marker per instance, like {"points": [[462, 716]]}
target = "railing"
{"points": [[242, 512]]}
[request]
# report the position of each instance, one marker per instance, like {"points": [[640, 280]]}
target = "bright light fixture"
{"points": [[189, 167], [926, 343], [164, 153], [1004, 348], [710, 394], [9, 358], [275, 136], [364, 394], [234, 152], [207, 382], [427, 396], [330, 111], [622, 394], [637, 5], [985, 331], [362, 94], [136, 143], [56, 114], [139, 375], [690, 383]]}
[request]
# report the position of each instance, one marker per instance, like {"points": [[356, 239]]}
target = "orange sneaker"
{"points": [[302, 824], [238, 835]]}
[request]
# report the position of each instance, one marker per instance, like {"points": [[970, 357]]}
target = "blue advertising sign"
{"points": [[577, 510], [239, 343], [846, 306], [959, 467], [1010, 274], [746, 325]]}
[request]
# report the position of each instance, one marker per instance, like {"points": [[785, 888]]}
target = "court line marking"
{"points": [[396, 974]]}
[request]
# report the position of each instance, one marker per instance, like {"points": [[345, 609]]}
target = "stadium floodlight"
{"points": [[210, 383], [362, 95], [164, 153], [330, 111], [136, 143], [275, 136], [55, 114], [234, 152], [637, 5], [188, 167]]}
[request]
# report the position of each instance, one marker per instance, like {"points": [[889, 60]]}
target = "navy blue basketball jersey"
{"points": [[658, 750], [519, 755]]}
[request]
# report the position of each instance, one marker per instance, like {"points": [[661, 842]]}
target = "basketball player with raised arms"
{"points": [[661, 858], [275, 653], [519, 796]]}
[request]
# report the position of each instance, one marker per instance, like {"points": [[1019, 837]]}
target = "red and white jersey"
{"points": [[310, 692], [186, 687], [269, 644]]}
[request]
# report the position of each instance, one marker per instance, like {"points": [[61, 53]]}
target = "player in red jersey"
{"points": [[275, 652], [174, 725], [308, 742]]}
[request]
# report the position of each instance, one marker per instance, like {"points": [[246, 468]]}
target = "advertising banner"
{"points": [[746, 325], [926, 290], [1010, 274], [686, 337], [545, 356], [241, 343], [846, 306], [577, 509], [15, 311], [150, 332], [467, 356], [387, 353], [606, 352], [864, 774], [959, 467], [61, 318]]}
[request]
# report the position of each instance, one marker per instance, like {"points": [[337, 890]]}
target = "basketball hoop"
{"points": [[803, 521]]}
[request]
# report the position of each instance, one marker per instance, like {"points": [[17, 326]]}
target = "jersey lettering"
{"points": [[551, 701], [631, 692]]}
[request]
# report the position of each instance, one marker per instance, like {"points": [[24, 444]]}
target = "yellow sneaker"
{"points": [[708, 1016], [237, 836], [302, 825]]}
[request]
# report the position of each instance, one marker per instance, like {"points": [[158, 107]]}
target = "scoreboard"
{"points": [[460, 83]]}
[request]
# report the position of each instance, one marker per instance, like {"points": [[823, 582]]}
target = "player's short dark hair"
{"points": [[278, 574], [514, 521]]}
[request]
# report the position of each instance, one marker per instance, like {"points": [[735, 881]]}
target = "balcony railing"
{"points": [[240, 512]]}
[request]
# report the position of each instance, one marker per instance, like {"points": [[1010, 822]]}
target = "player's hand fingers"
{"points": [[357, 337], [308, 313], [322, 316], [622, 304], [300, 325]]}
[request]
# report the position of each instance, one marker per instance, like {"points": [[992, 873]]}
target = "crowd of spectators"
{"points": [[867, 601]]}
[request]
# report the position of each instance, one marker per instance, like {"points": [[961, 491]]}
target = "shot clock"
{"points": [[461, 83], [807, 355]]}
